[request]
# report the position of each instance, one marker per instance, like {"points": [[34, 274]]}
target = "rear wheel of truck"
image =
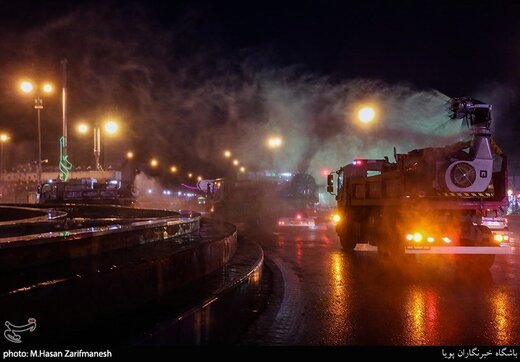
{"points": [[347, 236], [478, 262]]}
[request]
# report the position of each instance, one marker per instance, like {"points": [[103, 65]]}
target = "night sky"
{"points": [[190, 78]]}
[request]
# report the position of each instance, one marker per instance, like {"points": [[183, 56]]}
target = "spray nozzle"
{"points": [[476, 113]]}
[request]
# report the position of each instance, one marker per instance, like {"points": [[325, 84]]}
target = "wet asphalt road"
{"points": [[322, 296]]}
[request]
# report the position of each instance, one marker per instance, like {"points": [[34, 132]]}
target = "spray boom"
{"points": [[474, 112]]}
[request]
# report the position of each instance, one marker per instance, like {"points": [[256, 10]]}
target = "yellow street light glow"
{"points": [[26, 87], [235, 162], [227, 153], [173, 169], [190, 175], [129, 155], [366, 114], [274, 142], [199, 178], [82, 128], [242, 169], [111, 127], [154, 162], [4, 137], [47, 88]]}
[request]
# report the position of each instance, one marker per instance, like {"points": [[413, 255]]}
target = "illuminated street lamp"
{"points": [[274, 142], [199, 178], [190, 175], [242, 169], [236, 162], [173, 169], [28, 87], [227, 153], [82, 128], [154, 163], [366, 114], [3, 139], [129, 155], [110, 127]]}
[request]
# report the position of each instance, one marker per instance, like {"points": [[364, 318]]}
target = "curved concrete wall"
{"points": [[115, 283], [36, 248]]}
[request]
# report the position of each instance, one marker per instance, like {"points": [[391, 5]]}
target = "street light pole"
{"points": [[97, 147], [110, 127], [28, 87], [38, 105]]}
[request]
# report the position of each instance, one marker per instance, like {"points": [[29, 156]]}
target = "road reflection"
{"points": [[337, 324], [362, 299], [500, 309], [421, 318]]}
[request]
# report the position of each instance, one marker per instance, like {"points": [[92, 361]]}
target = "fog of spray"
{"points": [[183, 100], [143, 183]]}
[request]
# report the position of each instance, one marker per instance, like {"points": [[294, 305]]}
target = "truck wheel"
{"points": [[347, 237]]}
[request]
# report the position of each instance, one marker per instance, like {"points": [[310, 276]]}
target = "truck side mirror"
{"points": [[330, 183]]}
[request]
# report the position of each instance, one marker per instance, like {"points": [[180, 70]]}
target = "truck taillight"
{"points": [[417, 237], [446, 239], [501, 237]]}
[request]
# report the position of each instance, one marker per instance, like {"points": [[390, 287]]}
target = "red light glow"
{"points": [[325, 172]]}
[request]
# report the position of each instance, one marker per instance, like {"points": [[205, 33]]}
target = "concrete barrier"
{"points": [[72, 294], [222, 314], [39, 240]]}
